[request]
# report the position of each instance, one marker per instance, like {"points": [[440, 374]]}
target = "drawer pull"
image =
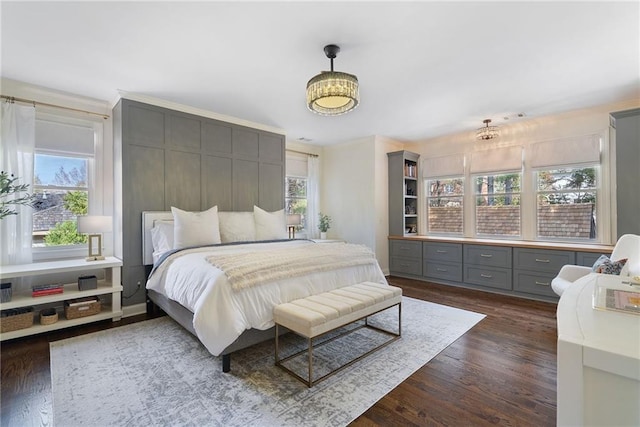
{"points": [[442, 269], [542, 283], [440, 251], [486, 276], [542, 260], [486, 255]]}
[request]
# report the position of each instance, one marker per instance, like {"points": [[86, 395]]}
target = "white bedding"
{"points": [[221, 314]]}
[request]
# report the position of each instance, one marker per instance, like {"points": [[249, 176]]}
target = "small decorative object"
{"points": [[81, 307], [94, 225], [48, 316], [6, 291], [16, 318], [87, 282], [48, 289], [323, 225]]}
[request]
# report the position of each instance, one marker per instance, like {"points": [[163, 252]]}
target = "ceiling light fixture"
{"points": [[487, 132], [332, 93]]}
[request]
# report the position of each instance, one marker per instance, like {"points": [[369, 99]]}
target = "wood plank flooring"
{"points": [[501, 372]]}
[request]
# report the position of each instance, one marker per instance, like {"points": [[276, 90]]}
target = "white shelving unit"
{"points": [[110, 285]]}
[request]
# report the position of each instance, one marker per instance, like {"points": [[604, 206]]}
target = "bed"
{"points": [[224, 293]]}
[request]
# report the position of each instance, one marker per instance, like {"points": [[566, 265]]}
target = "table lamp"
{"points": [[293, 220], [94, 226]]}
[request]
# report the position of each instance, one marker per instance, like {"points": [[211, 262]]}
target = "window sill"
{"points": [[59, 252]]}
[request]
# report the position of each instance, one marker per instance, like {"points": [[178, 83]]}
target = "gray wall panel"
{"points": [[271, 194], [144, 125], [184, 132], [215, 171], [271, 148], [216, 138], [246, 143], [627, 125], [246, 188], [182, 186]]}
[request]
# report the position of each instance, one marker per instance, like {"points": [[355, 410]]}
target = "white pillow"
{"points": [[162, 236], [237, 227], [269, 225], [195, 228]]}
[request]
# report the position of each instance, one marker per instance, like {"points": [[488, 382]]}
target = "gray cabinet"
{"points": [[170, 158], [406, 257], [442, 261], [488, 266], [534, 269], [403, 193], [626, 126]]}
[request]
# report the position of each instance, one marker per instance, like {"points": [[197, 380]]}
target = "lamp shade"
{"points": [[95, 224], [294, 219]]}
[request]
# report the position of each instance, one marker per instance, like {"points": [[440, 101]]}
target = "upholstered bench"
{"points": [[317, 315]]}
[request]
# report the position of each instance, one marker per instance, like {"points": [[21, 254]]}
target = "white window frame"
{"points": [[475, 194], [94, 170], [428, 198]]}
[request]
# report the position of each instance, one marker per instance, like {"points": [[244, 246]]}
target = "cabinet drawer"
{"points": [[406, 249], [406, 266], [493, 277], [491, 256], [533, 283], [448, 252], [587, 259], [443, 270], [542, 259]]}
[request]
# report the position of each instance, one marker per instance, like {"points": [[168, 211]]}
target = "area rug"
{"points": [[154, 373]]}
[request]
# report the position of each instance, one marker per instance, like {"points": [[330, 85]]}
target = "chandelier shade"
{"points": [[332, 93], [487, 132]]}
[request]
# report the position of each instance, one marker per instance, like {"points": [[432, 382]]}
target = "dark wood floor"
{"points": [[501, 372]]}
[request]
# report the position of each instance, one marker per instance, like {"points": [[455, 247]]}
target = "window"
{"points": [[63, 172], [61, 188], [296, 199], [498, 205], [445, 205], [566, 203]]}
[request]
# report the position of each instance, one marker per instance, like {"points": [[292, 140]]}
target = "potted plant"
{"points": [[323, 225]]}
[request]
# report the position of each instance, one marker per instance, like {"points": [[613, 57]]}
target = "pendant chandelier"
{"points": [[332, 93], [487, 132]]}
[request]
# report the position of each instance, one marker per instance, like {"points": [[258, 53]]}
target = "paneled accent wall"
{"points": [[170, 158]]}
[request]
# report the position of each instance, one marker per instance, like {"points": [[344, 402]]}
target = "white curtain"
{"points": [[16, 157], [313, 196]]}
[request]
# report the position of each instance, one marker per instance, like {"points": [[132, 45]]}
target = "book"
{"points": [[46, 287], [43, 292]]}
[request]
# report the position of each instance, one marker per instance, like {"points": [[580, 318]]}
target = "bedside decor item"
{"points": [[87, 282], [293, 220], [5, 288], [94, 225], [44, 290], [324, 224], [332, 93], [16, 318], [48, 316], [81, 307], [487, 132]]}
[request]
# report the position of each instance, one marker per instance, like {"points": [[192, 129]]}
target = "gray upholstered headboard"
{"points": [[149, 219]]}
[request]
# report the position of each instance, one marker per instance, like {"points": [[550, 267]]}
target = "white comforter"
{"points": [[221, 314]]}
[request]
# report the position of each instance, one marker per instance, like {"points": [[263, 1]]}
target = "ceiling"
{"points": [[426, 69]]}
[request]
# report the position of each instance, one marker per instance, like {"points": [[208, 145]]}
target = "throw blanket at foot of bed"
{"points": [[245, 270]]}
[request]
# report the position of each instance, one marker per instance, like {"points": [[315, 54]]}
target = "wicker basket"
{"points": [[16, 318], [81, 307], [48, 316]]}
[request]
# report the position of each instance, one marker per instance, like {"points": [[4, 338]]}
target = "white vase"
{"points": [[323, 235]]}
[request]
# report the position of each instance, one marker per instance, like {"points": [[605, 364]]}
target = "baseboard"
{"points": [[134, 310]]}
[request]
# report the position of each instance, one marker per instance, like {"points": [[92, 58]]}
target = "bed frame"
{"points": [[183, 315]]}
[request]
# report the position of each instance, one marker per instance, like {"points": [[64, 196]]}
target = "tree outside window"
{"points": [[296, 199]]}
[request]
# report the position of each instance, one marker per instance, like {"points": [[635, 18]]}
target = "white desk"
{"points": [[598, 359]]}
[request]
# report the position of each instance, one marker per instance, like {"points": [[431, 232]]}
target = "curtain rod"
{"points": [[30, 101], [302, 152]]}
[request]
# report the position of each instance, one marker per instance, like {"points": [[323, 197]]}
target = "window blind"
{"points": [[568, 151], [296, 165], [496, 160], [443, 166], [65, 138]]}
